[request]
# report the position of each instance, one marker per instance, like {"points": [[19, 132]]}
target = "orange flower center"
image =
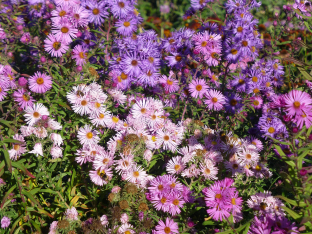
{"points": [[64, 30], [89, 135], [36, 114], [95, 11], [40, 81], [126, 24]]}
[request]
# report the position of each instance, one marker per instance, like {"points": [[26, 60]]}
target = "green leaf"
{"points": [[7, 159], [305, 73], [292, 213], [48, 191], [208, 222], [285, 158], [238, 229], [31, 197], [246, 229], [7, 194], [23, 169]]}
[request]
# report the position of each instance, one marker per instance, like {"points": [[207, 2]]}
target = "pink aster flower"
{"points": [[5, 222], [170, 227], [88, 136], [40, 83], [65, 30], [53, 228], [55, 46], [79, 16], [297, 102], [198, 88], [215, 100], [170, 84], [101, 176], [304, 119], [25, 38], [18, 148], [23, 98], [80, 55], [3, 92], [37, 149], [256, 102]]}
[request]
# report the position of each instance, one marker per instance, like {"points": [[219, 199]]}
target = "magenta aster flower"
{"points": [[170, 84], [80, 55], [40, 83], [297, 102], [79, 16], [170, 227], [198, 88], [55, 46], [215, 100], [65, 30], [23, 98]]}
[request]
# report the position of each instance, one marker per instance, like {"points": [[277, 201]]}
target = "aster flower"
{"points": [[65, 31], [249, 157], [297, 102], [170, 84], [208, 170], [126, 228], [71, 214], [97, 12], [170, 227], [126, 26], [79, 16], [121, 8], [215, 100], [175, 165], [101, 176], [80, 55], [135, 174], [37, 149], [132, 65], [18, 148], [87, 135], [233, 103], [35, 113], [53, 227], [256, 102], [3, 92], [23, 98], [5, 222], [198, 88], [166, 139], [141, 109], [40, 83], [55, 46]]}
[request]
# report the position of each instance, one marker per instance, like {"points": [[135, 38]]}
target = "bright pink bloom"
{"points": [[198, 88], [40, 83], [297, 102]]}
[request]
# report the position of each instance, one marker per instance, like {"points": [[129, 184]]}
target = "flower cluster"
{"points": [[223, 200]]}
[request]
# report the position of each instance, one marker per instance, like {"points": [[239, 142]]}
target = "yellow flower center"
{"points": [[271, 130], [62, 13], [296, 104], [126, 24], [199, 87], [89, 135], [36, 114]]}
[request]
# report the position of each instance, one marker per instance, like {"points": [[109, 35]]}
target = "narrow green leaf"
{"points": [[31, 197], [305, 73], [292, 213], [7, 159], [23, 169], [7, 194]]}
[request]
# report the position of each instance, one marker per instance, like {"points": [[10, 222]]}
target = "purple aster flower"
{"points": [[126, 26], [233, 103], [25, 38], [40, 83], [260, 226], [97, 12], [175, 60], [55, 46], [121, 8], [5, 222], [239, 82], [132, 65]]}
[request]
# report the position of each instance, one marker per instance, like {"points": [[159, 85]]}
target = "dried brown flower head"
{"points": [[143, 207], [123, 204], [111, 197], [63, 224]]}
